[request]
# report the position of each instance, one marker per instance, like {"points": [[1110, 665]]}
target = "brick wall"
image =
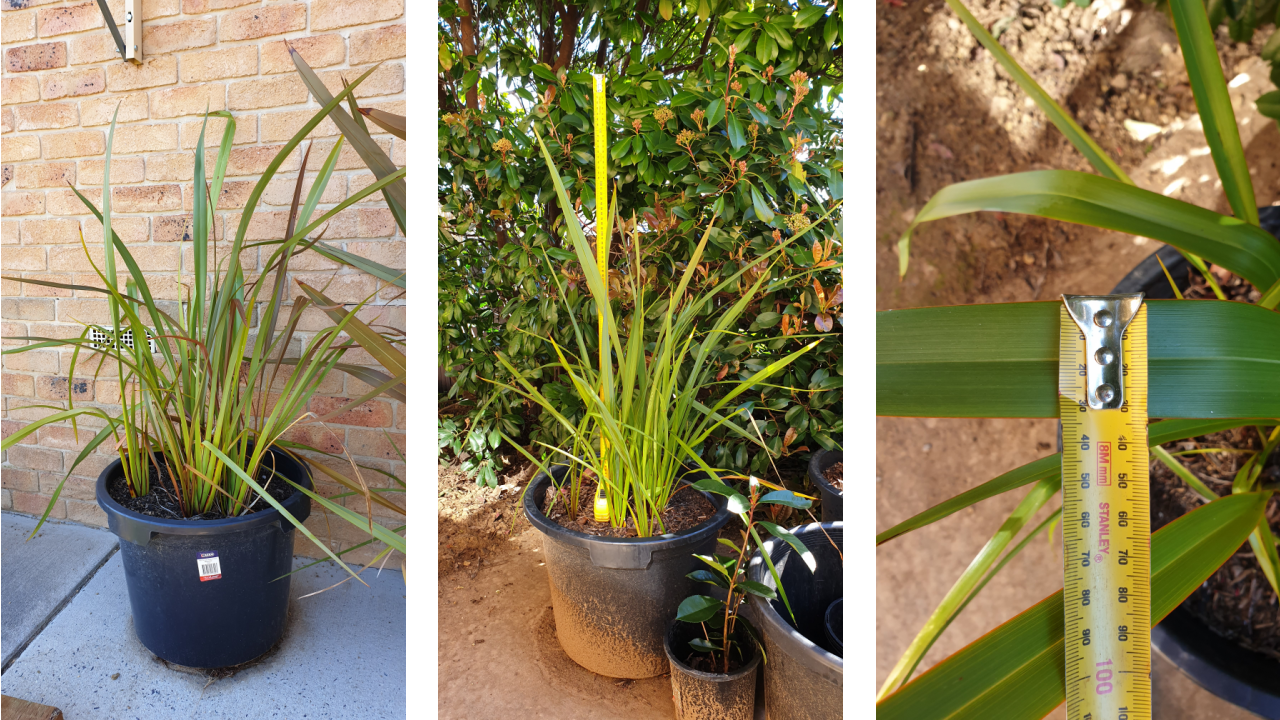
{"points": [[62, 80]]}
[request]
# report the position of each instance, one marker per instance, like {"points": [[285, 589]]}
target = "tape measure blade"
{"points": [[1106, 535]]}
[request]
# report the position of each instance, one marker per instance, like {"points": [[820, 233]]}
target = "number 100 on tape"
{"points": [[1106, 536]]}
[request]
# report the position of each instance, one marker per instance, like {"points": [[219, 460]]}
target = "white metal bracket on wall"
{"points": [[133, 31], [130, 45]]}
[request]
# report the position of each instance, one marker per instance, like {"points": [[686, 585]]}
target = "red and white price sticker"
{"points": [[209, 565]]}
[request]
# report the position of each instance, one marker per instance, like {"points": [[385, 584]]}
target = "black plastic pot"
{"points": [[1242, 677], [802, 680], [832, 499], [205, 614], [613, 598], [702, 695], [835, 627]]}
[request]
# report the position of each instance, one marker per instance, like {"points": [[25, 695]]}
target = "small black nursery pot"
{"points": [[832, 499], [700, 695], [835, 627], [1220, 665]]}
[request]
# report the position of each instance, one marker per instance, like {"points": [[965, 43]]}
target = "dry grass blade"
{"points": [[394, 124], [375, 344], [369, 152]]}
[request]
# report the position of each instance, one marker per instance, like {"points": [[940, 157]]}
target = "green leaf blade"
{"points": [[1207, 359], [698, 608], [1245, 249], [1209, 86], [1017, 669]]}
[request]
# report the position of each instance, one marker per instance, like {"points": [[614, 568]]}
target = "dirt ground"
{"points": [[946, 114], [496, 622], [496, 625]]}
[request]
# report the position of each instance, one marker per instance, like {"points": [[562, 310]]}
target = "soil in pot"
{"points": [[1236, 602], [685, 510], [162, 502], [1232, 286], [835, 476]]}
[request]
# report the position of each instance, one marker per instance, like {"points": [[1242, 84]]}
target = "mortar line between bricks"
{"points": [[58, 609]]}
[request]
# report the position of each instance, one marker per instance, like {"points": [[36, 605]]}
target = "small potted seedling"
{"points": [[714, 651]]}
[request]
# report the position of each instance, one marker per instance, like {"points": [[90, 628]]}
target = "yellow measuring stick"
{"points": [[600, 122], [1106, 533]]}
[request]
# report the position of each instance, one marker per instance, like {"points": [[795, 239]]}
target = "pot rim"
{"points": [[804, 650], [706, 676], [837, 604], [117, 512], [817, 467], [654, 543]]}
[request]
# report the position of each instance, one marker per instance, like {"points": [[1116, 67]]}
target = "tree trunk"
{"points": [[569, 17], [546, 33], [469, 48], [603, 50]]}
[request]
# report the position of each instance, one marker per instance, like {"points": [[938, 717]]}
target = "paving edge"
{"points": [[60, 606]]}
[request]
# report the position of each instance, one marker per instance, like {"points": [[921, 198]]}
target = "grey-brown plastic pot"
{"points": [[832, 499], [702, 695], [613, 598], [802, 680]]}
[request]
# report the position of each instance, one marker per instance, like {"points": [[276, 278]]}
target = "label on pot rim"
{"points": [[209, 565]]}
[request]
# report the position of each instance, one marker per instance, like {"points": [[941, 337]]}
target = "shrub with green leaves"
{"points": [[708, 102]]}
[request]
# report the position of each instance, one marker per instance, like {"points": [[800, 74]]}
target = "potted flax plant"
{"points": [[206, 492], [615, 589], [1212, 367]]}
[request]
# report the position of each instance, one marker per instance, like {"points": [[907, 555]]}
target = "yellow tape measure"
{"points": [[1106, 534], [602, 260]]}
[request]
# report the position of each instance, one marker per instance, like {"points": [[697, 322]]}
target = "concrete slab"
{"points": [[41, 575], [343, 656]]}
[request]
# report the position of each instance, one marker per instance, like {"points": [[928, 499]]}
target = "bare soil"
{"points": [[946, 113], [498, 652], [476, 520]]}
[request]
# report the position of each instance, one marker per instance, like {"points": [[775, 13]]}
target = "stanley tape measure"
{"points": [[1106, 533], [601, 127]]}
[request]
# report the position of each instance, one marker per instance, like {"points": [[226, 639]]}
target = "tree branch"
{"points": [[702, 52], [569, 17], [603, 50]]}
